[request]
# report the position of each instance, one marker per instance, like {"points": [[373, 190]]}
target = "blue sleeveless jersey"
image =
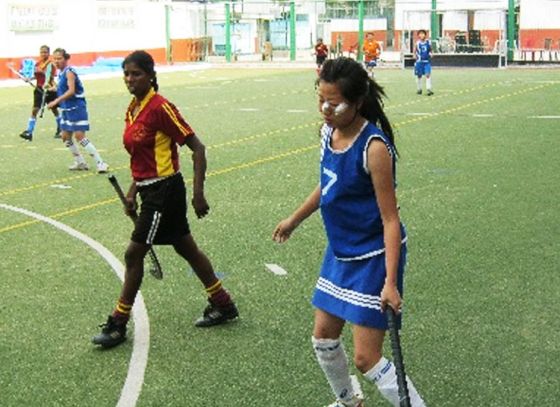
{"points": [[423, 49], [78, 100], [348, 204]]}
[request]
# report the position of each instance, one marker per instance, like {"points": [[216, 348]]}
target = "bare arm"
{"points": [[131, 204], [381, 170], [283, 231], [198, 149]]}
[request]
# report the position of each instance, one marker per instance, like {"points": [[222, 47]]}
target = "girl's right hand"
{"points": [[131, 206], [284, 230]]}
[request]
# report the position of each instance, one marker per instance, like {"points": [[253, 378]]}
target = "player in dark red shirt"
{"points": [[43, 84], [321, 52], [154, 131]]}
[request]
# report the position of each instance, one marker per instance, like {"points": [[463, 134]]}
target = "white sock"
{"points": [[90, 148], [419, 82], [332, 359], [384, 375], [429, 83], [74, 150]]}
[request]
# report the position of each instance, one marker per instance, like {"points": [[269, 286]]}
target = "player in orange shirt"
{"points": [[372, 51]]}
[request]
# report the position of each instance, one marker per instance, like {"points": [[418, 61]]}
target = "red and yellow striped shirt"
{"points": [[153, 132]]}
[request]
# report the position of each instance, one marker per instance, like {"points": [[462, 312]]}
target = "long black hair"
{"points": [[355, 85], [145, 62]]}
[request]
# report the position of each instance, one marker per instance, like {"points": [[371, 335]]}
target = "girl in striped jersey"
{"points": [[154, 131], [72, 102], [363, 267]]}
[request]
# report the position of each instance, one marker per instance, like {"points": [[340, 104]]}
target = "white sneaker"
{"points": [[102, 168], [78, 167], [355, 402], [357, 399]]}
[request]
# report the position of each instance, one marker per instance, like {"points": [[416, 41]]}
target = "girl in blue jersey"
{"points": [[423, 64], [363, 267], [72, 102]]}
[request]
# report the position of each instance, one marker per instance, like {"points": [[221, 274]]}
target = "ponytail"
{"points": [[154, 83], [356, 86], [372, 109]]}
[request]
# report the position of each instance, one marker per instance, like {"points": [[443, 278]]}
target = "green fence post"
{"points": [[434, 29], [360, 30], [168, 55], [228, 34], [511, 29], [292, 31]]}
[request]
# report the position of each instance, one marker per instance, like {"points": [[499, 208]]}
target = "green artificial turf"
{"points": [[478, 193]]}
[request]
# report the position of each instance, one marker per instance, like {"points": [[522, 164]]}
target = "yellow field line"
{"points": [[59, 214], [288, 153], [56, 181], [255, 137]]}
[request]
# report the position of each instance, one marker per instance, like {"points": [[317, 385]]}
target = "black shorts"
{"points": [[163, 212], [38, 97], [320, 59]]}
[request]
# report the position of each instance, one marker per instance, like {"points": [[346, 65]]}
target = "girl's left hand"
{"points": [[200, 205], [390, 297], [52, 105]]}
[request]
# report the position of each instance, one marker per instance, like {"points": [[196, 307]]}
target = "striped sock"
{"points": [[74, 150], [122, 311], [31, 124], [90, 148], [218, 295]]}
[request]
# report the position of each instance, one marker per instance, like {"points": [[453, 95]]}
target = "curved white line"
{"points": [[139, 358]]}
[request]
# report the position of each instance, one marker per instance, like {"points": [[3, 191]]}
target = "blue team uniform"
{"points": [[353, 271], [74, 110], [423, 65]]}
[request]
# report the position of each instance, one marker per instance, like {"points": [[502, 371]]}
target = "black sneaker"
{"points": [[26, 135], [111, 335], [419, 92], [215, 315], [58, 134], [429, 93]]}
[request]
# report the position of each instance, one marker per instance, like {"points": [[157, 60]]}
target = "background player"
{"points": [[72, 101], [154, 129], [423, 65], [43, 84], [372, 51], [365, 257], [321, 53]]}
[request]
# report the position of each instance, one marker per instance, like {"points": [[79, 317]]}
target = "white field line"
{"points": [[139, 358], [482, 115], [543, 117], [276, 269]]}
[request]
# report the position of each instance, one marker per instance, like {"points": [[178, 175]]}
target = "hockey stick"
{"points": [[48, 73], [23, 78], [397, 357], [155, 270]]}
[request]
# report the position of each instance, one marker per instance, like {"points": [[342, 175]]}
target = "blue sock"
{"points": [[31, 124], [58, 124]]}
